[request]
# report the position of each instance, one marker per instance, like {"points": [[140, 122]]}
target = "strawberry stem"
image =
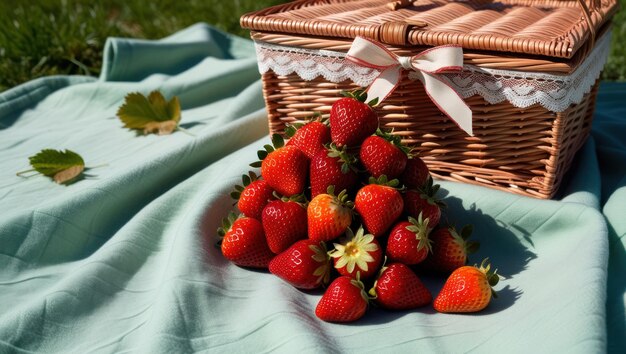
{"points": [[22, 173], [183, 130]]}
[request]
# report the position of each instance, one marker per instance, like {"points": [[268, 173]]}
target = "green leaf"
{"points": [[152, 114], [61, 166]]}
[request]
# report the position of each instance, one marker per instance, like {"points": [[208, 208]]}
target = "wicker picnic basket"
{"points": [[530, 76]]}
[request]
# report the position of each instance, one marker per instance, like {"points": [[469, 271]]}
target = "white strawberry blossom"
{"points": [[354, 250]]}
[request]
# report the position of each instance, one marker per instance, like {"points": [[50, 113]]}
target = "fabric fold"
{"points": [[126, 59]]}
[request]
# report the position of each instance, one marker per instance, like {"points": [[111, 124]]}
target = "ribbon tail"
{"points": [[384, 84], [448, 101]]}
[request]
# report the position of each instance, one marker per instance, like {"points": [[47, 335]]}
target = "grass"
{"points": [[615, 68], [49, 37]]}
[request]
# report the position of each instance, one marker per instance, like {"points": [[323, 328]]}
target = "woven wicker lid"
{"points": [[554, 28]]}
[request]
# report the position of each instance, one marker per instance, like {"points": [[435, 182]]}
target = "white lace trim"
{"points": [[309, 64], [522, 89]]}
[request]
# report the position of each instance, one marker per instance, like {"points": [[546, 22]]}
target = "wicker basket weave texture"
{"points": [[536, 27], [520, 151], [524, 151]]}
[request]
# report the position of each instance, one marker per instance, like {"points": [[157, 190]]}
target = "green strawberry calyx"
{"points": [[462, 239], [429, 191], [292, 128], [359, 284], [394, 140], [299, 199], [227, 223], [382, 180], [342, 199], [421, 229], [361, 96], [372, 292], [348, 161], [246, 180], [277, 143], [320, 255], [492, 277], [354, 250]]}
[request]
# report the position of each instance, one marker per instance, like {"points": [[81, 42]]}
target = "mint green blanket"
{"points": [[123, 260]]}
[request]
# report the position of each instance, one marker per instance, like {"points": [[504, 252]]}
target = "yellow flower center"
{"points": [[352, 249]]}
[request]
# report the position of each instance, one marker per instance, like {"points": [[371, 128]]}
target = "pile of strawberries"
{"points": [[349, 202]]}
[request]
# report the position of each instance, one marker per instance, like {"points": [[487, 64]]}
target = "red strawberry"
{"points": [[379, 205], [415, 174], [408, 242], [253, 195], [244, 243], [351, 120], [450, 249], [468, 289], [310, 138], [357, 254], [305, 265], [424, 202], [285, 168], [344, 301], [384, 154], [328, 215], [332, 167], [398, 288], [284, 222]]}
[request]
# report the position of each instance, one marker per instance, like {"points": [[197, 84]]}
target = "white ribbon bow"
{"points": [[426, 65]]}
